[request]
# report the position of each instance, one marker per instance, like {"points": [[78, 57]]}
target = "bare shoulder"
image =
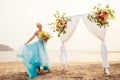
{"points": [[36, 33]]}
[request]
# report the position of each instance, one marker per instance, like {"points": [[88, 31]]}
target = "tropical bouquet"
{"points": [[101, 15], [60, 23], [45, 36]]}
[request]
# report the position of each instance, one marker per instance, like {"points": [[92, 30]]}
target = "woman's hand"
{"points": [[25, 44]]}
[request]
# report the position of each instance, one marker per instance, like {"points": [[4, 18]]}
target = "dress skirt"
{"points": [[34, 55]]}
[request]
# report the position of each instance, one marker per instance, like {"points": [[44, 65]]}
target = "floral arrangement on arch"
{"points": [[60, 23], [101, 15], [45, 36]]}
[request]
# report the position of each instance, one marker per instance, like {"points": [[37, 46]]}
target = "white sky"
{"points": [[18, 20]]}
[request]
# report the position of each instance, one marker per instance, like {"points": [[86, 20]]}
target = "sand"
{"points": [[74, 71]]}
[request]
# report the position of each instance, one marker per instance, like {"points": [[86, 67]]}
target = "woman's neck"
{"points": [[40, 30]]}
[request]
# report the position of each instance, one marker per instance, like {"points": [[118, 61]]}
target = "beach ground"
{"points": [[73, 71]]}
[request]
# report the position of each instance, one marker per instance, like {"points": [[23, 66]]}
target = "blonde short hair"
{"points": [[38, 24]]}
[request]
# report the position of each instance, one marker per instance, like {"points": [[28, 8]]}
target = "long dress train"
{"points": [[34, 55]]}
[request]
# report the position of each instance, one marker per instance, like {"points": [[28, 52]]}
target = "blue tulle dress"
{"points": [[34, 55]]}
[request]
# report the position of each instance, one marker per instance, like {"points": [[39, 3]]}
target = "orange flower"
{"points": [[60, 23], [101, 15]]}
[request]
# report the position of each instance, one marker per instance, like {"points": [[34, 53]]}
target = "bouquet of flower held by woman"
{"points": [[45, 36], [101, 15], [60, 23]]}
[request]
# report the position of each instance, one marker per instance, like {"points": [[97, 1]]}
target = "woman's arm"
{"points": [[31, 38]]}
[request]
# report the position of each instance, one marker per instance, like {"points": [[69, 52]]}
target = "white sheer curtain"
{"points": [[100, 34], [71, 26]]}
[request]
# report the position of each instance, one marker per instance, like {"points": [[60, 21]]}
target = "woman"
{"points": [[34, 55]]}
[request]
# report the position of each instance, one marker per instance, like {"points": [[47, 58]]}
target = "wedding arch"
{"points": [[94, 29]]}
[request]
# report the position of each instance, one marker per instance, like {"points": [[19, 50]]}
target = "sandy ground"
{"points": [[74, 71]]}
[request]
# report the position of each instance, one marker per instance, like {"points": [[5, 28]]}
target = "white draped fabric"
{"points": [[63, 54], [71, 26], [93, 29], [104, 54], [100, 34]]}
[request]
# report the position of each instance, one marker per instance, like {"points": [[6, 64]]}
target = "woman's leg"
{"points": [[39, 70]]}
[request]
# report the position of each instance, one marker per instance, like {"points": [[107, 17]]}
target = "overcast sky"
{"points": [[18, 20]]}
